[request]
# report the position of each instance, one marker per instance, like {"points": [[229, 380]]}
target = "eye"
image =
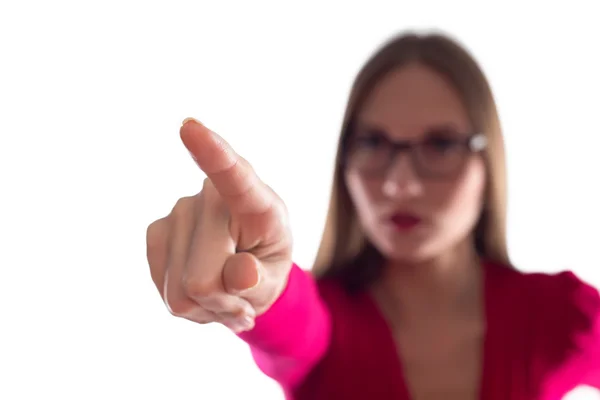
{"points": [[441, 144], [372, 141]]}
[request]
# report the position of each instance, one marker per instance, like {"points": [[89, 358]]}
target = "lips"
{"points": [[403, 221]]}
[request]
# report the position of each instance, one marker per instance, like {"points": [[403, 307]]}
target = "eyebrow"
{"points": [[359, 126], [366, 126]]}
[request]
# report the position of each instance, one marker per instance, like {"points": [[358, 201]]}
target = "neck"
{"points": [[445, 286]]}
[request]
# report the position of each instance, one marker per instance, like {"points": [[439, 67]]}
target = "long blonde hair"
{"points": [[343, 242]]}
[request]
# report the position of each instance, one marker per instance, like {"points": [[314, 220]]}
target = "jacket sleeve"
{"points": [[290, 338], [586, 313]]}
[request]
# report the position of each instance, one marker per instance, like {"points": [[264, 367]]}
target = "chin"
{"points": [[409, 257], [406, 250]]}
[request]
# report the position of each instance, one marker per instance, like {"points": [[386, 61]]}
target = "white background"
{"points": [[92, 95]]}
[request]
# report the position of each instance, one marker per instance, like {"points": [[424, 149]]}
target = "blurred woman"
{"points": [[413, 295]]}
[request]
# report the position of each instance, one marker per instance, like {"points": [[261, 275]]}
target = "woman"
{"points": [[413, 294]]}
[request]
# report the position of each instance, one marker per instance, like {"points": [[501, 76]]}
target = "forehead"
{"points": [[412, 99]]}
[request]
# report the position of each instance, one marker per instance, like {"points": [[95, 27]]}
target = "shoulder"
{"points": [[561, 321], [563, 294], [573, 304], [574, 333], [579, 301]]}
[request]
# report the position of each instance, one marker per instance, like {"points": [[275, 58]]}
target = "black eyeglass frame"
{"points": [[474, 143]]}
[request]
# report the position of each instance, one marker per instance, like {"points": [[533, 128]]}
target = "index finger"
{"points": [[232, 176]]}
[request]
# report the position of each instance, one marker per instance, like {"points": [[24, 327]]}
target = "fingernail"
{"points": [[239, 325], [185, 121], [247, 322]]}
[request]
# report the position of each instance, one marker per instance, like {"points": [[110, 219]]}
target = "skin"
{"points": [[224, 254], [432, 282]]}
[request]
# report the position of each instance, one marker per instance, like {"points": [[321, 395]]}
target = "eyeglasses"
{"points": [[438, 155]]}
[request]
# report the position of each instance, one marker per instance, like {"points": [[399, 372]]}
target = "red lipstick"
{"points": [[405, 221]]}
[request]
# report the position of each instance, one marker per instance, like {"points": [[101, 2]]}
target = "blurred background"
{"points": [[92, 95]]}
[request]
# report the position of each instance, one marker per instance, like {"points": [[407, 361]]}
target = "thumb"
{"points": [[241, 273]]}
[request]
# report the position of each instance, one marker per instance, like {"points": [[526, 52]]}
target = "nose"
{"points": [[401, 180]]}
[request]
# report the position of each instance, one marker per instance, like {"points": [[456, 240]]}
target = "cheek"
{"points": [[363, 194], [460, 201]]}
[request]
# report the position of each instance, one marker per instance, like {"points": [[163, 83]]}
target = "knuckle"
{"points": [[203, 320], [279, 215], [197, 288], [206, 184], [179, 307], [209, 192], [183, 206], [155, 232], [212, 204], [208, 189], [280, 208]]}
